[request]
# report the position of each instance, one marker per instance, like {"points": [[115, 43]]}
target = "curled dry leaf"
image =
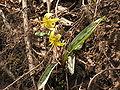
{"points": [[66, 22], [61, 9]]}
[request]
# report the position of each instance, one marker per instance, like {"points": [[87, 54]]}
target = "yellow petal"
{"points": [[53, 20], [48, 15], [49, 25], [52, 34], [59, 44], [58, 36], [44, 20]]}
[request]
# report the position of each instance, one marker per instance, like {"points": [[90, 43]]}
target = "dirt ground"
{"points": [[97, 63]]}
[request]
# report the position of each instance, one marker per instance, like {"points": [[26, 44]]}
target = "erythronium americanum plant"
{"points": [[50, 24], [54, 40]]}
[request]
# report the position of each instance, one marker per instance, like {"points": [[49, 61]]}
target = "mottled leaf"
{"points": [[45, 76], [71, 63], [83, 35], [41, 34]]}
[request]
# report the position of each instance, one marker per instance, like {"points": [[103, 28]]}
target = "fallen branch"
{"points": [[27, 41], [26, 38]]}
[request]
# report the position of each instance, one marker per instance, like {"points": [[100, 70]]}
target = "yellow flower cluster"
{"points": [[49, 23]]}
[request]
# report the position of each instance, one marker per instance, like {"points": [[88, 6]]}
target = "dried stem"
{"points": [[48, 5], [27, 41], [26, 38], [96, 8], [56, 7], [67, 82], [83, 2]]}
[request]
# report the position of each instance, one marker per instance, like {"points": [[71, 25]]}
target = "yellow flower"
{"points": [[47, 22], [55, 39]]}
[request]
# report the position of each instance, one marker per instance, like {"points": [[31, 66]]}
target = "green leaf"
{"points": [[66, 57], [83, 35], [71, 63], [79, 46], [95, 1], [45, 76], [41, 34]]}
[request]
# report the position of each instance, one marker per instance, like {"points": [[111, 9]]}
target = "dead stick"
{"points": [[96, 7], [27, 40], [48, 5], [56, 7]]}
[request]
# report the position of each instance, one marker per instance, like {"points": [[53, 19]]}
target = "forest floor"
{"points": [[99, 58]]}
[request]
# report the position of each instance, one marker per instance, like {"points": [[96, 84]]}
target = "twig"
{"points": [[26, 38], [83, 2], [96, 8], [40, 53], [48, 5], [56, 7], [50, 87], [22, 76], [67, 82], [90, 82], [2, 6], [110, 63], [27, 41]]}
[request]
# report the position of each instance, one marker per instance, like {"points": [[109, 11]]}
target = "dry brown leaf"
{"points": [[66, 22]]}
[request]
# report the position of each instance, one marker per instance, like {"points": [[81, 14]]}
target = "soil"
{"points": [[99, 58]]}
